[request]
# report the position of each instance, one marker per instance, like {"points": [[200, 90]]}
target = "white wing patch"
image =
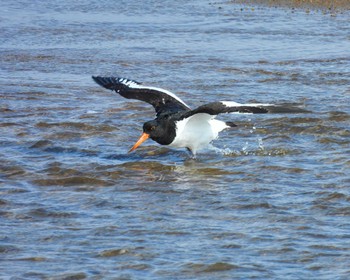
{"points": [[127, 82], [136, 85], [235, 104]]}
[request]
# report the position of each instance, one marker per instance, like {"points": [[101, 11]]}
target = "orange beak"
{"points": [[142, 139]]}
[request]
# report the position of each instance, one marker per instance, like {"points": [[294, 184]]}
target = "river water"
{"points": [[269, 200]]}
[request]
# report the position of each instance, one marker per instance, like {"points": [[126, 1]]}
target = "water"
{"points": [[270, 198]]}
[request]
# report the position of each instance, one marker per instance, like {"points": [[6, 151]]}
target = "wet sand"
{"points": [[324, 5]]}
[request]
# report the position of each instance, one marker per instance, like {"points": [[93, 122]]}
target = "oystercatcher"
{"points": [[176, 124]]}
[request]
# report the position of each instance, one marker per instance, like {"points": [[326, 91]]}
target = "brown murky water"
{"points": [[269, 200]]}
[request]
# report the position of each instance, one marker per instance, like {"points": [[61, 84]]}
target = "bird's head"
{"points": [[154, 130]]}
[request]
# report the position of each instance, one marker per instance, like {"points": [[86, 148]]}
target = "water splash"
{"points": [[245, 148], [261, 144], [222, 151]]}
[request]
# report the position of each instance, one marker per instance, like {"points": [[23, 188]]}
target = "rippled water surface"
{"points": [[269, 200]]}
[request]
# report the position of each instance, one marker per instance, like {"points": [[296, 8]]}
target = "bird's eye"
{"points": [[153, 127]]}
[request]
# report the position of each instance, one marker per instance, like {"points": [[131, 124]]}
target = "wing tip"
{"points": [[114, 82], [106, 82], [231, 124], [262, 108]]}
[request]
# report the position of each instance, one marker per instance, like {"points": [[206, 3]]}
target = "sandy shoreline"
{"points": [[325, 5]]}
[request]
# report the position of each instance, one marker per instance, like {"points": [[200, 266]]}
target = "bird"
{"points": [[176, 124]]}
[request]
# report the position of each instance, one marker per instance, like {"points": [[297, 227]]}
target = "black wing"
{"points": [[162, 100], [221, 107]]}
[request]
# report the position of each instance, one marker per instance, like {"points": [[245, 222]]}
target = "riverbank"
{"points": [[323, 5]]}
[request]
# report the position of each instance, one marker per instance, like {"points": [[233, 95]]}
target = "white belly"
{"points": [[197, 132]]}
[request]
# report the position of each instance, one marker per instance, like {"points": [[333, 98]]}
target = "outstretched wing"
{"points": [[221, 107], [162, 100]]}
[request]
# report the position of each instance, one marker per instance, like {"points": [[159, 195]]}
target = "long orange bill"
{"points": [[142, 139]]}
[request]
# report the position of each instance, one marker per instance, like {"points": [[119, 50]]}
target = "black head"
{"points": [[161, 131]]}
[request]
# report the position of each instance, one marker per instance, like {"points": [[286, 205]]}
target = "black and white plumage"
{"points": [[176, 124]]}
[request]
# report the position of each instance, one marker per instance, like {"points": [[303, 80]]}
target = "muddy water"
{"points": [[269, 200]]}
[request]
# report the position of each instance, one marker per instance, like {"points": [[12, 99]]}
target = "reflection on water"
{"points": [[269, 199]]}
